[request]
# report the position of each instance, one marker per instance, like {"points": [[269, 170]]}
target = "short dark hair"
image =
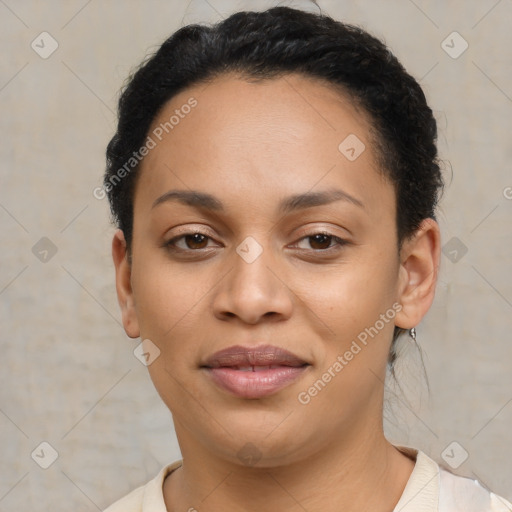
{"points": [[270, 44]]}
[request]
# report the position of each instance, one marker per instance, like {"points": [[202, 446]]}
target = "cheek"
{"points": [[352, 296], [166, 302], [353, 361], [167, 305]]}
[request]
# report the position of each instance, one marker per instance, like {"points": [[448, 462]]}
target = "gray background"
{"points": [[69, 376]]}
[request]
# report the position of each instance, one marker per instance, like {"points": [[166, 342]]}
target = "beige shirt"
{"points": [[430, 488]]}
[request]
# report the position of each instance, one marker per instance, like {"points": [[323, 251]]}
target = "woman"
{"points": [[274, 179]]}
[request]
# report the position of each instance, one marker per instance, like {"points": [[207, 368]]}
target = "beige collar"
{"points": [[421, 494]]}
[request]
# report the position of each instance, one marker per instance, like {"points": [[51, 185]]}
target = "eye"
{"points": [[322, 241], [195, 241], [190, 241]]}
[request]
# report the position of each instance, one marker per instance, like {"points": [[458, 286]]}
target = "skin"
{"points": [[250, 145]]}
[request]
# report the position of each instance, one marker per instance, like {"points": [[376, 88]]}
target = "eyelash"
{"points": [[340, 242]]}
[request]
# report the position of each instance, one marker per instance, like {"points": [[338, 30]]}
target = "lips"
{"points": [[264, 355], [254, 372]]}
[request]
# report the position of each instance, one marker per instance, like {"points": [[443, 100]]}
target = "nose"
{"points": [[253, 290]]}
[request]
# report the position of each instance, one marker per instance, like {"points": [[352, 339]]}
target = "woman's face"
{"points": [[281, 161]]}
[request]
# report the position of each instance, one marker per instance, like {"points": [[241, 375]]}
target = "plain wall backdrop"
{"points": [[69, 377]]}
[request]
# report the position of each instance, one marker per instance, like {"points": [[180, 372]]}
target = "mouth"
{"points": [[254, 372], [258, 368]]}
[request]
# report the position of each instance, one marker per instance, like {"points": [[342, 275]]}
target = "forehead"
{"points": [[290, 132], [292, 106]]}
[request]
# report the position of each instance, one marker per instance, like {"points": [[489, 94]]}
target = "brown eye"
{"points": [[196, 241], [188, 242], [321, 242]]}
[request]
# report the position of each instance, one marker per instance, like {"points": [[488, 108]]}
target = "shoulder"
{"points": [[132, 502], [457, 493], [432, 488], [148, 497]]}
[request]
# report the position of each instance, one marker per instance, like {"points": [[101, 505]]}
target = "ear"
{"points": [[124, 285], [419, 267]]}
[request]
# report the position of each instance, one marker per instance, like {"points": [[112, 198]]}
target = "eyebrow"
{"points": [[295, 202]]}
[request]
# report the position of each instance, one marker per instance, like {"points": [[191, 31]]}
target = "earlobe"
{"points": [[420, 258], [123, 285]]}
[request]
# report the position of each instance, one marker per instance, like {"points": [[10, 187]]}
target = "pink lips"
{"points": [[254, 372]]}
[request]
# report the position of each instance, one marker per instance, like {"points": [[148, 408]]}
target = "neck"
{"points": [[363, 472]]}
